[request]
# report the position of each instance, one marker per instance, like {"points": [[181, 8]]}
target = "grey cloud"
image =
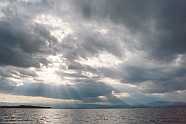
{"points": [[81, 90], [150, 78], [11, 71], [155, 27], [155, 79], [6, 86], [160, 24], [139, 74], [19, 44], [166, 86], [89, 43]]}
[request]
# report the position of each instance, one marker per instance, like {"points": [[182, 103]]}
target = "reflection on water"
{"points": [[94, 116]]}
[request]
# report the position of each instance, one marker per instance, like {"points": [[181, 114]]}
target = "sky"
{"points": [[105, 52]]}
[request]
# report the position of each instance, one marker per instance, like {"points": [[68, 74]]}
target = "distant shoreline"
{"points": [[129, 107], [25, 106]]}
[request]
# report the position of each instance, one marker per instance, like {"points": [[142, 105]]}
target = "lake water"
{"points": [[94, 116]]}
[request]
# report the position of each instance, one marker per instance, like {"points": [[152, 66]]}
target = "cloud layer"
{"points": [[98, 51]]}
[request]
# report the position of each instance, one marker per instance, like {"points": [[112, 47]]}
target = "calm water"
{"points": [[101, 116]]}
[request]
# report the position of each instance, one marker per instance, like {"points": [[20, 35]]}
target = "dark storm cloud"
{"points": [[16, 72], [140, 74], [19, 44], [161, 24], [164, 86], [88, 44]]}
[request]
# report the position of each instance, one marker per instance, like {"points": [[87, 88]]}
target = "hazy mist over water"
{"points": [[94, 116]]}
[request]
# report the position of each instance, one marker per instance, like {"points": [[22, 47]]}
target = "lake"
{"points": [[94, 116]]}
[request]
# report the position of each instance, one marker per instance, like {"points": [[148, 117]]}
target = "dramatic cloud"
{"points": [[93, 51], [160, 24]]}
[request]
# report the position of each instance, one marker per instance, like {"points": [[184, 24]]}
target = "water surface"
{"points": [[94, 116]]}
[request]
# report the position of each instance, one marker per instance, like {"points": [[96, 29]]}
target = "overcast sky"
{"points": [[92, 51]]}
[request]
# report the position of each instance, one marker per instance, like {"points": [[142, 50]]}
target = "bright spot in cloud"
{"points": [[102, 60], [178, 60], [17, 81], [116, 82], [3, 4], [120, 95], [30, 1], [110, 81], [102, 30], [57, 27], [48, 74], [89, 74]]}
